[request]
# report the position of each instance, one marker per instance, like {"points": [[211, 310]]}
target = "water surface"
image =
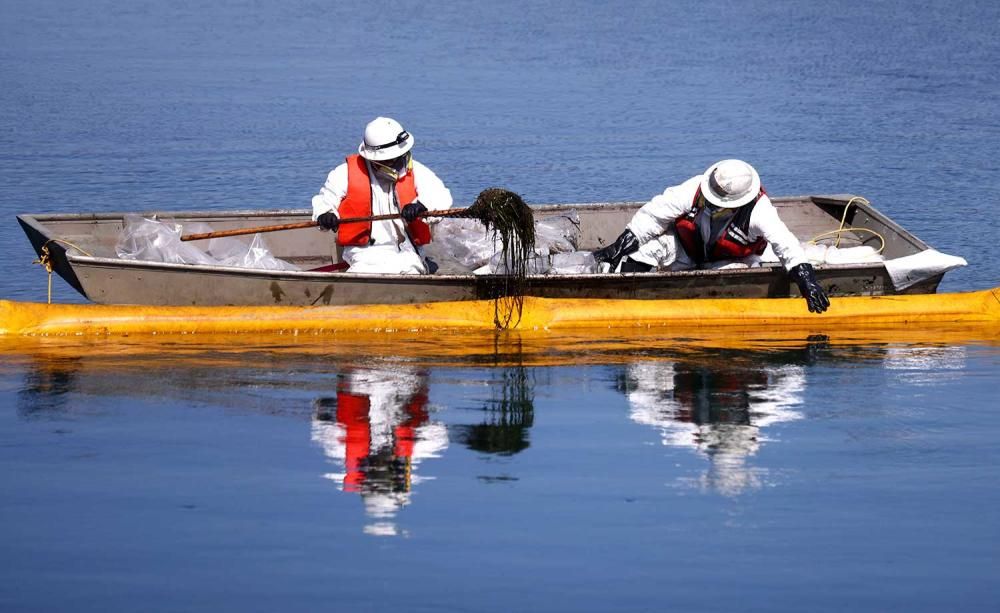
{"points": [[825, 470]]}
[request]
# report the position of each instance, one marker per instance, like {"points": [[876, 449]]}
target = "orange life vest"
{"points": [[733, 243], [358, 203]]}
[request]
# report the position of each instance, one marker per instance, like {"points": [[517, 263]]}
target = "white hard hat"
{"points": [[384, 139], [730, 184]]}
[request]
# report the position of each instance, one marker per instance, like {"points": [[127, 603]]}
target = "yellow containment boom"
{"points": [[979, 309]]}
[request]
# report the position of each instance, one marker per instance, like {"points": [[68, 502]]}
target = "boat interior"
{"points": [[847, 220]]}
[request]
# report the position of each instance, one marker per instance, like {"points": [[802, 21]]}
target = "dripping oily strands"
{"points": [[506, 215]]}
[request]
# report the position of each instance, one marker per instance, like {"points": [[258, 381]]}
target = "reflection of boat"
{"points": [[81, 249], [378, 429]]}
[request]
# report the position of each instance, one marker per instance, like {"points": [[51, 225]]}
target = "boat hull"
{"points": [[81, 249], [108, 282]]}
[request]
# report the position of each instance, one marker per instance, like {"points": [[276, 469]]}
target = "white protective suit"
{"points": [[653, 225], [391, 251]]}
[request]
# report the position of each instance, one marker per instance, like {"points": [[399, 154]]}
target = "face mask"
{"points": [[718, 212], [394, 168]]}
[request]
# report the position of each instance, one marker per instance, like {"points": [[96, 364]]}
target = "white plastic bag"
{"points": [[231, 251], [464, 245], [153, 240], [460, 245], [573, 263], [538, 264], [558, 233], [158, 241]]}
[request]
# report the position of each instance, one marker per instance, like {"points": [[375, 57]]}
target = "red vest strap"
{"points": [[406, 432]]}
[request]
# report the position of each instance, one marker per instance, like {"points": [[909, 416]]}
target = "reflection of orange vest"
{"points": [[358, 203], [733, 242], [353, 415]]}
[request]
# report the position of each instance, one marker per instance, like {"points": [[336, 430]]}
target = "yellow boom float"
{"points": [[978, 309]]}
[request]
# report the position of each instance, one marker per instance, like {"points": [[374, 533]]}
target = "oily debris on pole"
{"points": [[508, 217]]}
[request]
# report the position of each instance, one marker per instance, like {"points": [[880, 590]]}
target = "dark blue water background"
{"points": [[817, 475]]}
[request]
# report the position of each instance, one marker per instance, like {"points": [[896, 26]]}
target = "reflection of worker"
{"points": [[381, 179], [715, 219], [719, 412], [378, 428]]}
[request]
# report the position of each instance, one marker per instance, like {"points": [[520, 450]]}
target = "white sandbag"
{"points": [[830, 254], [852, 255], [912, 269]]}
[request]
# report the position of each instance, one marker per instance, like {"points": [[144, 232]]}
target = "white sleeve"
{"points": [[765, 222], [658, 215], [430, 189], [332, 192]]}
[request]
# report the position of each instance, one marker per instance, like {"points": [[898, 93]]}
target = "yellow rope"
{"points": [[839, 231], [45, 259]]}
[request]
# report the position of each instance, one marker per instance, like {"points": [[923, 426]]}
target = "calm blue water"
{"points": [[819, 475]]}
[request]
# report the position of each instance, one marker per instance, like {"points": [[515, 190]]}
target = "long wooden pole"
{"points": [[311, 224]]}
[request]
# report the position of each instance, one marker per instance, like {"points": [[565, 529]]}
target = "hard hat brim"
{"points": [[713, 198], [379, 155]]}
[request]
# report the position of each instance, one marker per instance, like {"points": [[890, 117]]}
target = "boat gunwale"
{"points": [[38, 223], [766, 269], [37, 220], [118, 215]]}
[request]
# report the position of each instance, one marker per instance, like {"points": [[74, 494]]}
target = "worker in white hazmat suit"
{"points": [[382, 179], [378, 429], [716, 219]]}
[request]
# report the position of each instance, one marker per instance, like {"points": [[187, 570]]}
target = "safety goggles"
{"points": [[401, 138]]}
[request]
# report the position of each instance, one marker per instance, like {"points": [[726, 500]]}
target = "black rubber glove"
{"points": [[328, 221], [413, 210], [612, 254], [805, 277]]}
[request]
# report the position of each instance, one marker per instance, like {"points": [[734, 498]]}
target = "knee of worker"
{"points": [[752, 261], [384, 259], [661, 252]]}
